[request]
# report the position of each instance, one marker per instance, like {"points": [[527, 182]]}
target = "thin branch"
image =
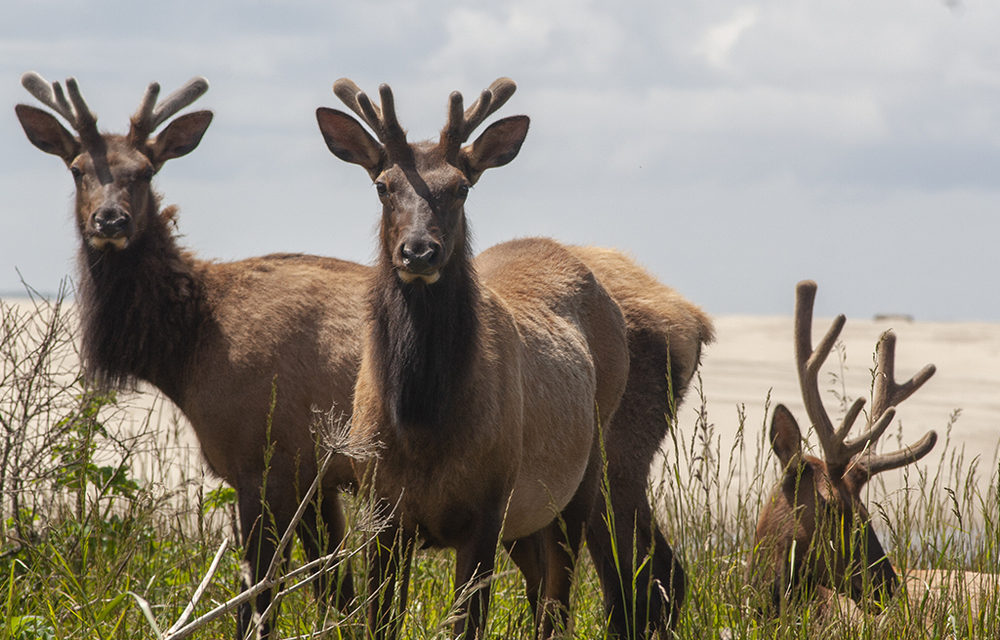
{"points": [[200, 591]]}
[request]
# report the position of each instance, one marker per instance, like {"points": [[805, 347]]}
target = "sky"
{"points": [[733, 148]]}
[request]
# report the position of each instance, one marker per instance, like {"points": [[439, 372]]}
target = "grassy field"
{"points": [[107, 534]]}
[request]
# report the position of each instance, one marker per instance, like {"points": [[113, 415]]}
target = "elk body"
{"points": [[642, 581], [815, 532], [484, 383], [215, 338]]}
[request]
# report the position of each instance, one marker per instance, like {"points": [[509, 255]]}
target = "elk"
{"points": [[815, 532], [216, 338], [642, 581], [485, 383]]}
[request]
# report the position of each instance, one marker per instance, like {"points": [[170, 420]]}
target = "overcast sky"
{"points": [[734, 148]]}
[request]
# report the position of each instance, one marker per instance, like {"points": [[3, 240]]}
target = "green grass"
{"points": [[105, 526]]}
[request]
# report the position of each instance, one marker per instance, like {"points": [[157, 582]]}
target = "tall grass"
{"points": [[108, 525]]}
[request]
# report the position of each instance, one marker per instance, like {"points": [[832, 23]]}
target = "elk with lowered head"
{"points": [[484, 382], [815, 532], [215, 338]]}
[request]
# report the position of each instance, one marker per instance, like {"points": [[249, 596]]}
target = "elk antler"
{"points": [[461, 123], [837, 449], [383, 122], [75, 110], [890, 394], [150, 115]]}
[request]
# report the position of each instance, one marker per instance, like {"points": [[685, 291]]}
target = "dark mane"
{"points": [[140, 310], [422, 344]]}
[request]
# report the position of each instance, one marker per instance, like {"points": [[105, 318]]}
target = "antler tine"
{"points": [[456, 121], [151, 114], [351, 95], [382, 121], [142, 121], [877, 463], [358, 102], [809, 362], [85, 119], [75, 110], [461, 124], [145, 111], [394, 132], [191, 91], [49, 94], [489, 101], [887, 395], [476, 113]]}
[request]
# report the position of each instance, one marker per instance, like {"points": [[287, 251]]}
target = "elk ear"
{"points": [[497, 146], [786, 439], [180, 138], [349, 141], [45, 132]]}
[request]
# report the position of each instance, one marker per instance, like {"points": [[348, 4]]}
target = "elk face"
{"points": [[422, 186], [113, 195], [815, 530], [423, 215], [113, 173]]}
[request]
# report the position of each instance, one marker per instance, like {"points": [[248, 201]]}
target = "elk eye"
{"points": [[381, 188], [77, 173], [463, 191]]}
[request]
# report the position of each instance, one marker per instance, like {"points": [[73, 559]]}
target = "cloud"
{"points": [[718, 41], [561, 36], [658, 127]]}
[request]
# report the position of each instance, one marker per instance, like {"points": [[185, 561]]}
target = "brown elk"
{"points": [[215, 338], [642, 581], [815, 532], [485, 384], [664, 332]]}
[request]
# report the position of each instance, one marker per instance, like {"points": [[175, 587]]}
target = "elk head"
{"points": [[815, 529], [114, 198], [422, 186]]}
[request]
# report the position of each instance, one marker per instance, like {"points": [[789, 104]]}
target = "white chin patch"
{"points": [[428, 278], [105, 243]]}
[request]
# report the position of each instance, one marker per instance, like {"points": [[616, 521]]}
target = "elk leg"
{"points": [[563, 539], [528, 554], [474, 563], [390, 547], [628, 549], [324, 535], [257, 530]]}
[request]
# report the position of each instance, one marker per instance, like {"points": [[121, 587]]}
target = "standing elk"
{"points": [[215, 338], [484, 383], [642, 581], [815, 532]]}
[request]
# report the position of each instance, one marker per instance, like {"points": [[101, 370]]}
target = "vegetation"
{"points": [[109, 527]]}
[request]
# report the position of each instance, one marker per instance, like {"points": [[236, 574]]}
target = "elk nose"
{"points": [[421, 255], [111, 221]]}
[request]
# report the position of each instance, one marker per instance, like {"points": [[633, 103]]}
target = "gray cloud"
{"points": [[732, 147]]}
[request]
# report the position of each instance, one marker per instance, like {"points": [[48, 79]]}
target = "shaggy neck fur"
{"points": [[423, 338], [141, 309]]}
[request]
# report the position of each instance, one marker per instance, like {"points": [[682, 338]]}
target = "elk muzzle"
{"points": [[111, 227], [420, 258]]}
